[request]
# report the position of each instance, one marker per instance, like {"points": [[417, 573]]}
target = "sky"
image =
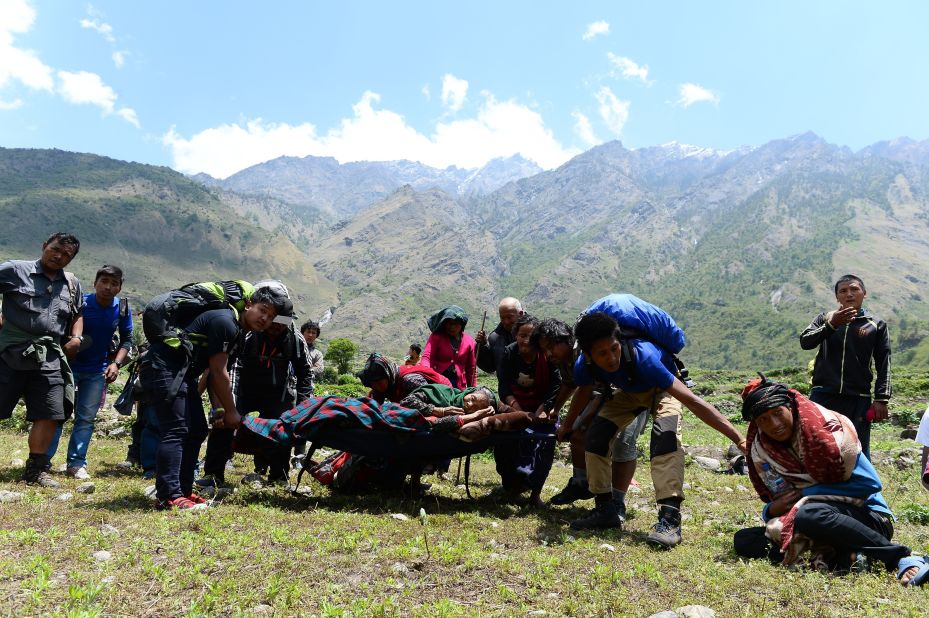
{"points": [[216, 87]]}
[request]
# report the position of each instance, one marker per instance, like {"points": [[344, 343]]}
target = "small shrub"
{"points": [[914, 514]]}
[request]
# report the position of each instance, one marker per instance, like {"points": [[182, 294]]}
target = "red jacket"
{"points": [[438, 355]]}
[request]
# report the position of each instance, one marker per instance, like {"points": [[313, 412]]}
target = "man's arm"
{"points": [[485, 356], [706, 413], [813, 335], [581, 398], [882, 388], [73, 345], [221, 387], [303, 369]]}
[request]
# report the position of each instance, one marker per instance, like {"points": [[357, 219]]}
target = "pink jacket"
{"points": [[438, 355]]}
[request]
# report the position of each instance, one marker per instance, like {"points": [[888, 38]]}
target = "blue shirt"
{"points": [[99, 325], [654, 368]]}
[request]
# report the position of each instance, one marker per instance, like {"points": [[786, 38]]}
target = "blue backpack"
{"points": [[638, 319]]}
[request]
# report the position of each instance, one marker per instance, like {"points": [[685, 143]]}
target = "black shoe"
{"points": [[211, 480], [603, 515], [666, 533], [573, 491]]}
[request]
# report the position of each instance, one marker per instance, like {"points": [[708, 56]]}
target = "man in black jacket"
{"points": [[490, 348], [850, 341]]}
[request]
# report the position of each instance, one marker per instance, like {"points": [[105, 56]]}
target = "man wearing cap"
{"points": [[215, 338], [271, 373]]}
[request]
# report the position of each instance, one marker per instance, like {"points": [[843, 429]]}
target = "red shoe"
{"points": [[198, 499], [181, 503]]}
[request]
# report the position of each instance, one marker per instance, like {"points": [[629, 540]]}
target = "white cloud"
{"points": [[628, 68], [427, 92], [595, 29], [454, 91], [84, 87], [103, 29], [692, 93], [20, 65], [10, 105], [499, 129], [613, 111], [119, 58], [128, 114], [584, 130]]}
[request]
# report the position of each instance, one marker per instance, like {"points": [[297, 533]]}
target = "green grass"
{"points": [[335, 555]]}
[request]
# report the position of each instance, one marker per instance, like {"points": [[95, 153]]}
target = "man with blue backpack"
{"points": [[631, 345]]}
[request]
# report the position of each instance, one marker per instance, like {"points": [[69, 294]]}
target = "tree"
{"points": [[341, 352]]}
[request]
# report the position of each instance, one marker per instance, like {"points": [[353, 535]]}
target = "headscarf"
{"points": [[447, 396], [376, 368], [452, 312], [761, 395]]}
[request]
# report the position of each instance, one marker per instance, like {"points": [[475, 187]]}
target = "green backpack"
{"points": [[165, 317]]}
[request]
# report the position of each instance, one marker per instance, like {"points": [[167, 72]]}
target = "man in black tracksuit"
{"points": [[851, 341], [270, 375]]}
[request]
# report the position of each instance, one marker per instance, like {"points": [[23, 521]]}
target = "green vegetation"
{"points": [[341, 351]]}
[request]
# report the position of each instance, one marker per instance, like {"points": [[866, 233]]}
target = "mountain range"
{"points": [[741, 247]]}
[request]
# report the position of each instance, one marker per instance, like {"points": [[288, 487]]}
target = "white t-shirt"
{"points": [[922, 434]]}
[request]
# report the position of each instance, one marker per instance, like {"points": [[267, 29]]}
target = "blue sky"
{"points": [[218, 86]]}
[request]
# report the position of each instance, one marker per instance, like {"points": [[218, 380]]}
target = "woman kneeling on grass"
{"points": [[821, 493]]}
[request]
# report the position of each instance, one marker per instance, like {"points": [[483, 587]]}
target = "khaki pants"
{"points": [[666, 451]]}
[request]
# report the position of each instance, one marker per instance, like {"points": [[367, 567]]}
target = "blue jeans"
{"points": [[90, 388]]}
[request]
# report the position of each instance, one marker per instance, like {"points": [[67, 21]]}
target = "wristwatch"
{"points": [[78, 337]]}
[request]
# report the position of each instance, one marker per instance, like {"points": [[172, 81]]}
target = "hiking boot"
{"points": [[181, 503], [666, 533], [78, 472], [35, 472], [573, 491], [148, 474], [620, 509], [128, 464], [603, 515]]}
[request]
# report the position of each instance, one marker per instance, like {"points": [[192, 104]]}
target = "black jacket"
{"points": [[847, 354], [279, 370], [490, 354]]}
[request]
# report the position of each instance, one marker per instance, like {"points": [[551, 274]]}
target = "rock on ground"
{"points": [[695, 611], [10, 496], [64, 497], [86, 488], [708, 462], [102, 555]]}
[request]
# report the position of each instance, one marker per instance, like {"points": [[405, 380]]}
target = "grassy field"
{"points": [[266, 552]]}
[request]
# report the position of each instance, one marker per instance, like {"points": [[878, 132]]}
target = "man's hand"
{"points": [[880, 411], [842, 316], [480, 338], [783, 503], [111, 373], [230, 420], [72, 347]]}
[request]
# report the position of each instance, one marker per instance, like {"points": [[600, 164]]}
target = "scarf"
{"points": [[452, 312]]}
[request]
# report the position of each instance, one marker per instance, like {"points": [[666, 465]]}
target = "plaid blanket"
{"points": [[317, 414]]}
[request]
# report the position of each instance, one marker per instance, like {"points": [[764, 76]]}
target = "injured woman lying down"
{"points": [[470, 414]]}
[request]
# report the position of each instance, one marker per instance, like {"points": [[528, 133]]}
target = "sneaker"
{"points": [[254, 479], [78, 472], [666, 533], [197, 499], [603, 515], [573, 491], [35, 473], [181, 503], [210, 480], [128, 464]]}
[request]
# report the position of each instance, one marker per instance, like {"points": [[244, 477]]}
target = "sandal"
{"points": [[922, 566]]}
